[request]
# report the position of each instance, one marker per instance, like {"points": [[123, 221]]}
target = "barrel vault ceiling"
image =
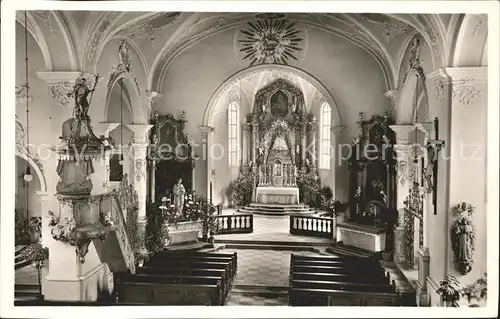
{"points": [[159, 37]]}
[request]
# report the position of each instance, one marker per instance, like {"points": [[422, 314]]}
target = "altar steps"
{"points": [[276, 209]]}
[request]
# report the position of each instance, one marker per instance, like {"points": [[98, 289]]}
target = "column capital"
{"points": [[43, 195], [153, 95], [206, 129], [337, 129], [139, 146], [140, 131], [469, 74], [393, 96], [426, 127], [55, 77], [403, 148], [402, 132], [104, 128]]}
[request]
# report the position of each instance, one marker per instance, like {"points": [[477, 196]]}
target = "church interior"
{"points": [[262, 159]]}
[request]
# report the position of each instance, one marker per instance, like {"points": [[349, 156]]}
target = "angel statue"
{"points": [[80, 92]]}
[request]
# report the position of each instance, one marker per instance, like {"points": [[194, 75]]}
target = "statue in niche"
{"points": [[279, 104], [179, 193], [81, 92]]}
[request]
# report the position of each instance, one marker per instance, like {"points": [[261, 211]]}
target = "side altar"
{"points": [[279, 132], [372, 187]]}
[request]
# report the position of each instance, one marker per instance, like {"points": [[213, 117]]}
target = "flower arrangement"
{"points": [[309, 186], [449, 290], [240, 191], [476, 291], [38, 256], [35, 229]]}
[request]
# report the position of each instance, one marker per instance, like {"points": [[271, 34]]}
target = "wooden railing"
{"points": [[312, 226], [234, 224]]}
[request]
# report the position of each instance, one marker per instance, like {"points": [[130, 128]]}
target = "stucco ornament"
{"points": [[100, 33], [60, 92], [23, 93], [270, 39], [466, 92], [440, 87], [391, 27], [46, 17], [148, 28]]}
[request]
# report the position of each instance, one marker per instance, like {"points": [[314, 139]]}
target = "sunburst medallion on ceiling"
{"points": [[270, 39]]}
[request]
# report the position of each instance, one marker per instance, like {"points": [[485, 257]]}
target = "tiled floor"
{"points": [[261, 268], [271, 228], [239, 299]]}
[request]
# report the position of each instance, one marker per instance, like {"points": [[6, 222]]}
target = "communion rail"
{"points": [[235, 224], [312, 226]]}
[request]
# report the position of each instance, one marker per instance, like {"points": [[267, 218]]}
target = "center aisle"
{"points": [[262, 278]]}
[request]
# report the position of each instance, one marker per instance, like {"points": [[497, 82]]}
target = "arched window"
{"points": [[233, 133], [325, 140]]}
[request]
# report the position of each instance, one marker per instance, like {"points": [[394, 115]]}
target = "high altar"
{"points": [[280, 131]]}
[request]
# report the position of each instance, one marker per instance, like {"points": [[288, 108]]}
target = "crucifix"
{"points": [[431, 171]]}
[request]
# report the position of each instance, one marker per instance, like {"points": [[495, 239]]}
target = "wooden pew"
{"points": [[345, 286], [170, 254], [130, 280], [341, 277], [192, 273], [359, 266], [189, 264], [170, 294], [328, 297], [353, 271], [344, 259], [196, 258]]}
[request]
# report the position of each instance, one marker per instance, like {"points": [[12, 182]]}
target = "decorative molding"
{"points": [[140, 132], [23, 93], [440, 90], [478, 25], [60, 92], [205, 130], [54, 77], [391, 27], [140, 169], [271, 39], [402, 133], [46, 17], [147, 28], [466, 92]]}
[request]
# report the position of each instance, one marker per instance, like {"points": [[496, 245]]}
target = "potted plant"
{"points": [[38, 256], [449, 290], [35, 229], [476, 291]]}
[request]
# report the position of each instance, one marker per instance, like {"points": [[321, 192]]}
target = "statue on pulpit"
{"points": [[80, 93], [179, 194]]}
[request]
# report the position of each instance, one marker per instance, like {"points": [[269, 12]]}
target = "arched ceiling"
{"points": [[383, 36]]}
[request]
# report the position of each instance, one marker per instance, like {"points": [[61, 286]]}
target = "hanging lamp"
{"points": [[27, 175], [120, 161]]}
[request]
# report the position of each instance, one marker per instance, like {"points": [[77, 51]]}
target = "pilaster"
{"points": [[206, 140], [404, 168]]}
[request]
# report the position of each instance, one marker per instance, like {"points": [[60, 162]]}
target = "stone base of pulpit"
{"points": [[361, 236], [277, 195]]}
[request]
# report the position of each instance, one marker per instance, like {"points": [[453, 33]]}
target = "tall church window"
{"points": [[325, 138], [233, 136]]}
